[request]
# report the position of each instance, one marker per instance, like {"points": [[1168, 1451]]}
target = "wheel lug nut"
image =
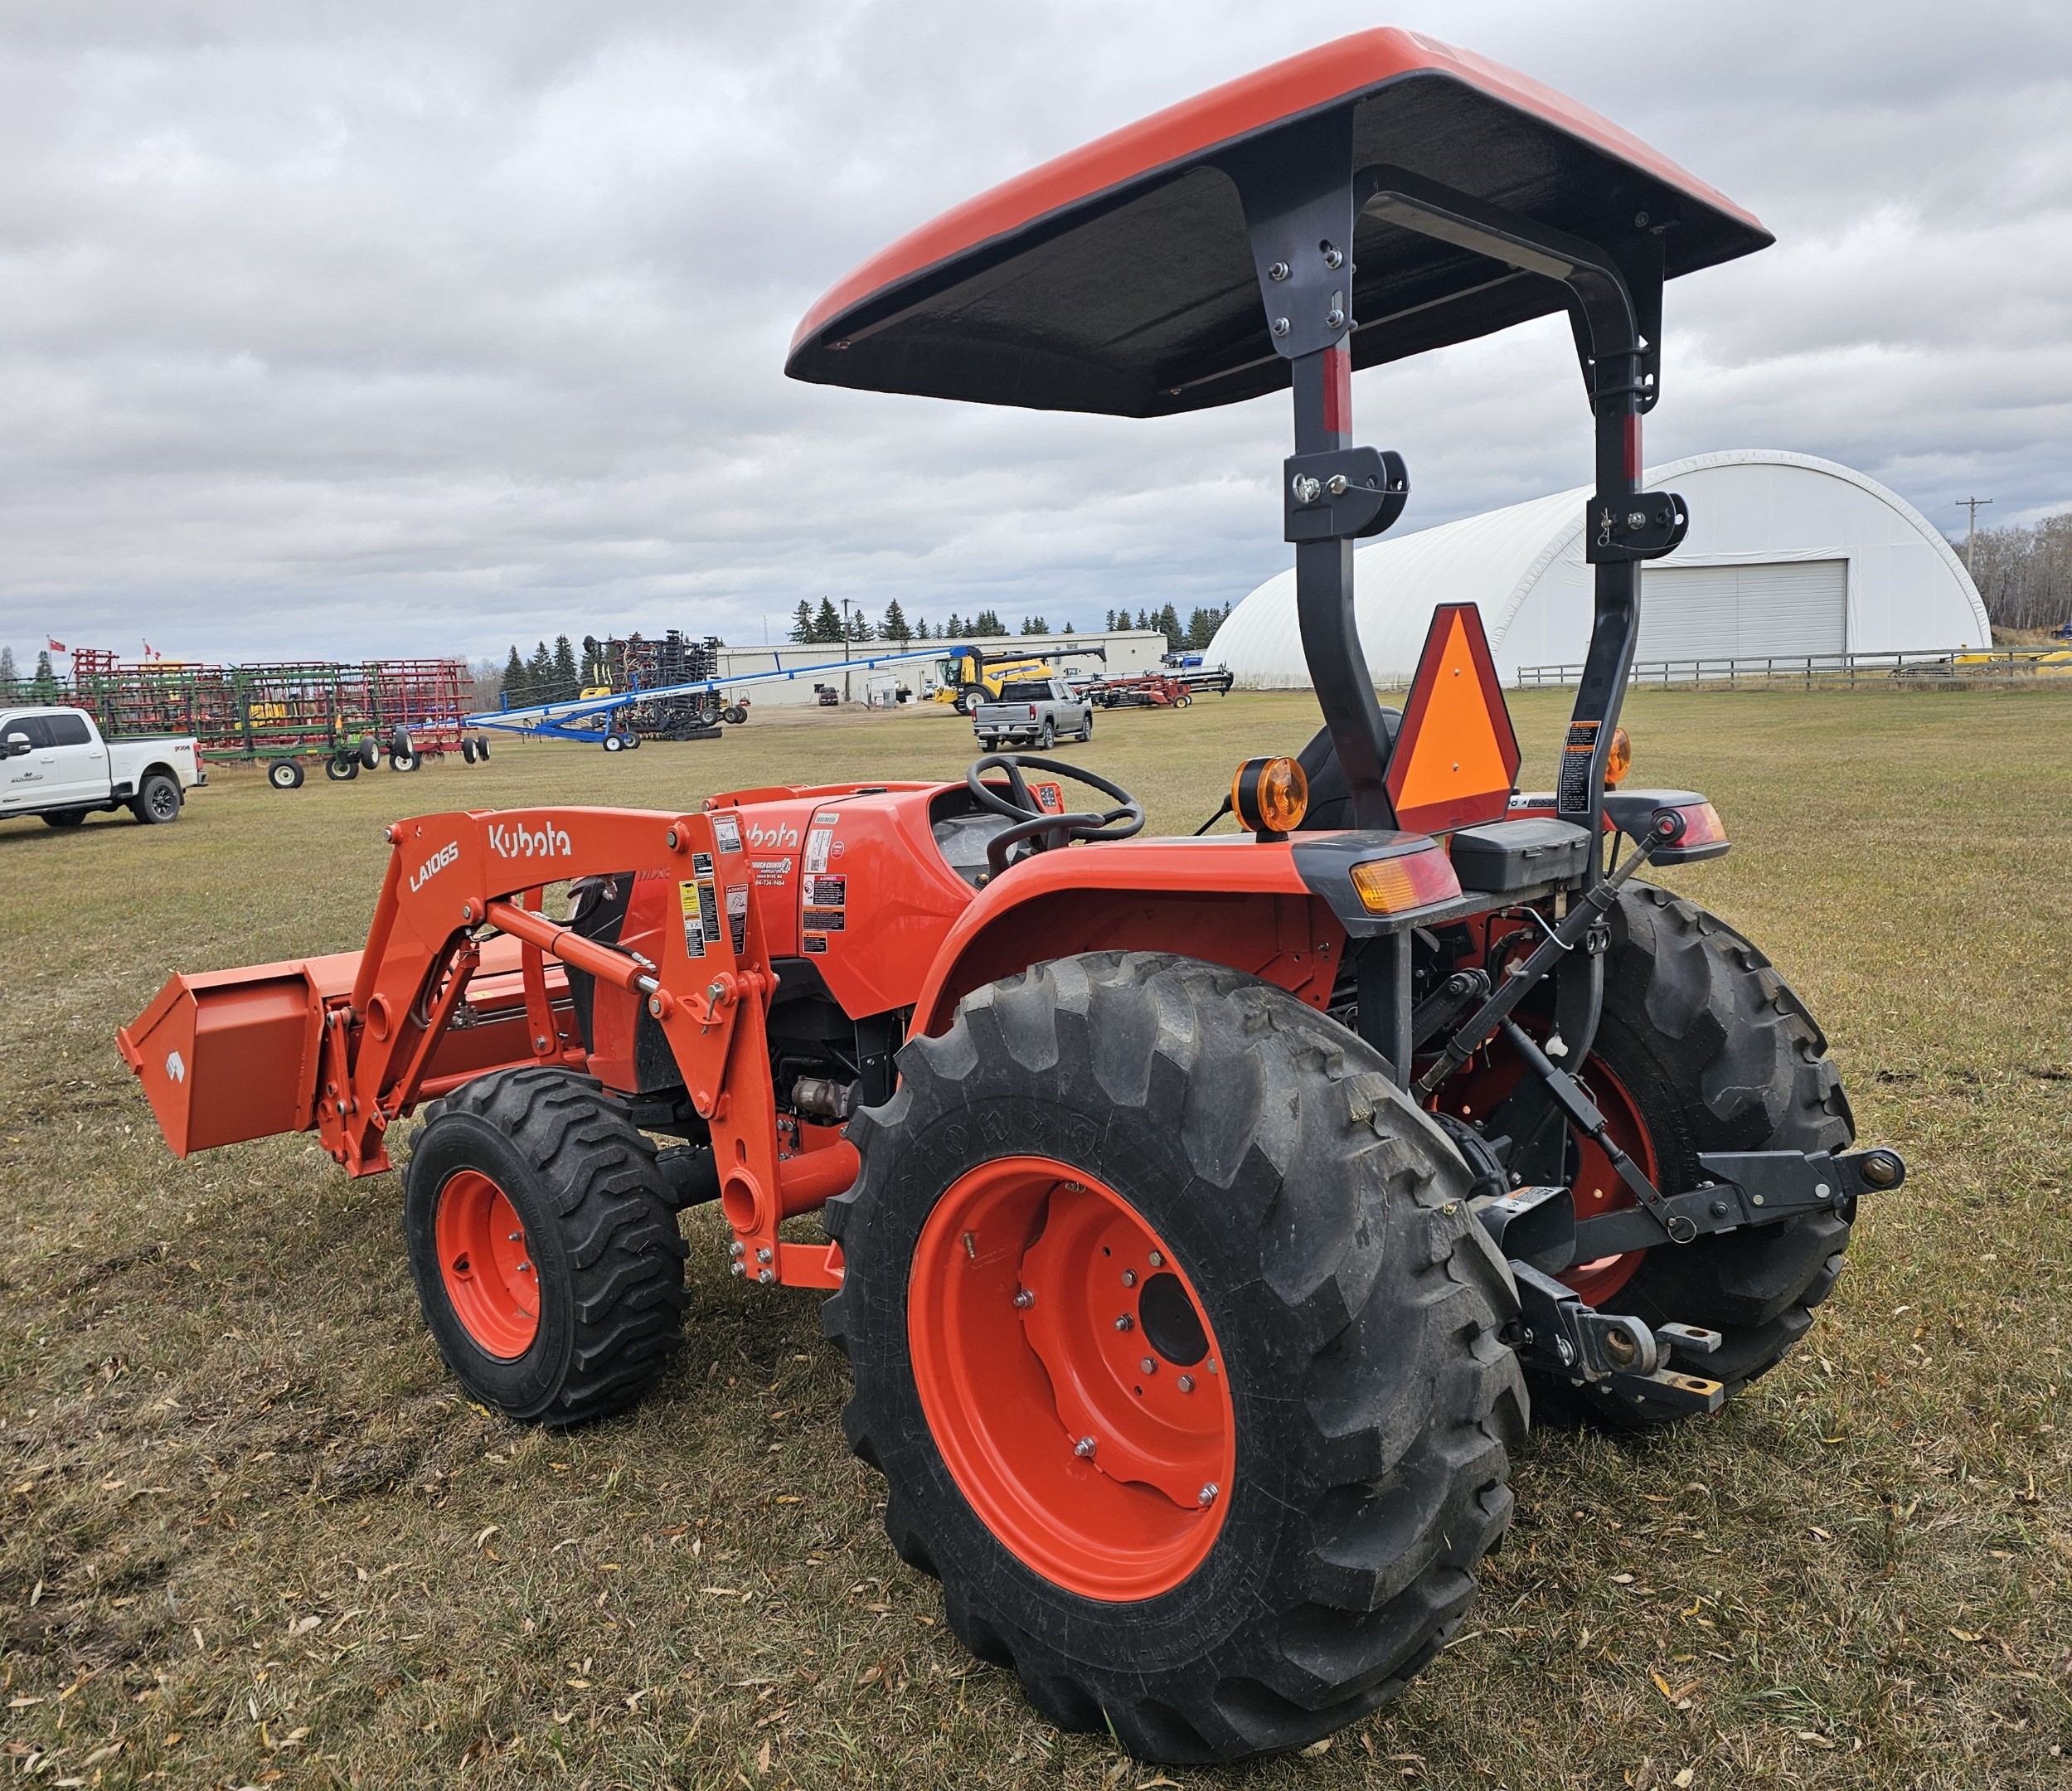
{"points": [[514, 1235], [1024, 1300], [1149, 1365], [1158, 1261], [1186, 1383], [1084, 1449], [1125, 1323], [1129, 1277], [1206, 1495]]}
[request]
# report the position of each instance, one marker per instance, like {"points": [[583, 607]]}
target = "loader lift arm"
{"points": [[455, 880]]}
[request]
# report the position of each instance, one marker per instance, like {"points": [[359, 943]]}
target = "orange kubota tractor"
{"points": [[1196, 1212]]}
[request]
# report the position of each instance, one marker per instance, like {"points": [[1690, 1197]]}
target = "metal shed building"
{"points": [[1787, 556]]}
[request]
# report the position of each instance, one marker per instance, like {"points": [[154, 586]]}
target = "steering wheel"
{"points": [[1036, 824]]}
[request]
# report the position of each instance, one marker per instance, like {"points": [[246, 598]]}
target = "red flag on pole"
{"points": [[59, 646]]}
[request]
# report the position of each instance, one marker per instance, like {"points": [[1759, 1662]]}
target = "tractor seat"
{"points": [[1501, 855]]}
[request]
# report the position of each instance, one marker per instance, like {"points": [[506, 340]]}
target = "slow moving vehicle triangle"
{"points": [[1456, 757]]}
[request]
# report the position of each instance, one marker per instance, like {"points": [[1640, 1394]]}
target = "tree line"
{"points": [[2025, 575], [828, 626]]}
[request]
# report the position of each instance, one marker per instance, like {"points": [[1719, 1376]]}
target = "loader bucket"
{"points": [[231, 1054], [228, 1056]]}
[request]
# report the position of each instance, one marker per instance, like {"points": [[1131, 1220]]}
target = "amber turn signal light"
{"points": [[1270, 795], [1411, 879], [1619, 760]]}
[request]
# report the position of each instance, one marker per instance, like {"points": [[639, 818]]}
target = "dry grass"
{"points": [[252, 1536]]}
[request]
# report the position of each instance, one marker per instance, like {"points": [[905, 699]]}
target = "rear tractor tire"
{"points": [[1708, 1049], [1179, 1351], [544, 1246]]}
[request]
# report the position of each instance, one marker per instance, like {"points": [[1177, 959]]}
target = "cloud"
{"points": [[393, 329]]}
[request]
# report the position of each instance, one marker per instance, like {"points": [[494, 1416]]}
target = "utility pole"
{"points": [[1970, 533], [844, 646]]}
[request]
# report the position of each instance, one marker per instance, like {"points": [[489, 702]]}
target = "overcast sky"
{"points": [[370, 328]]}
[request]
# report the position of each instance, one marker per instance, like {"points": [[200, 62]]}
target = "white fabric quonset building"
{"points": [[1787, 554]]}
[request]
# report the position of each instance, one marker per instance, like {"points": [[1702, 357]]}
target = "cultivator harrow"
{"points": [[279, 714]]}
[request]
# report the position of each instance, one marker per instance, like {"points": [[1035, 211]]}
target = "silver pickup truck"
{"points": [[1038, 711], [53, 762]]}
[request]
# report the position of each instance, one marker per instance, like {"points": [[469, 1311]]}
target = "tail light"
{"points": [[1413, 880]]}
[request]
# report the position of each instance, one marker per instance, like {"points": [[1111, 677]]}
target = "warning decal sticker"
{"points": [[701, 864], [1576, 753], [693, 920], [727, 830], [737, 916], [817, 843], [709, 909], [825, 920], [815, 941], [828, 891]]}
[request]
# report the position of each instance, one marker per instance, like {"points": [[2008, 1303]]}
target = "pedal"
{"points": [[1690, 1343], [1666, 1390]]}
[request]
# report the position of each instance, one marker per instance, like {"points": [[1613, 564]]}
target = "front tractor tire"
{"points": [[544, 1246], [1708, 1049], [1180, 1353]]}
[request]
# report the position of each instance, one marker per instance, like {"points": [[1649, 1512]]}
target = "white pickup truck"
{"points": [[1034, 711], [53, 762]]}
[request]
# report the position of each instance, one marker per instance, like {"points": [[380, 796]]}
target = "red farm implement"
{"points": [[1201, 1217], [1147, 690], [415, 706]]}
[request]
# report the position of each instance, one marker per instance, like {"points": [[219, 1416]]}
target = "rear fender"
{"points": [[1230, 901]]}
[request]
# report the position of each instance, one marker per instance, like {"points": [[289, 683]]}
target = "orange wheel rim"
{"points": [[1107, 1477], [486, 1265], [1597, 1187]]}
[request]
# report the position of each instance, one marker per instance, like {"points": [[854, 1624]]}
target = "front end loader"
{"points": [[1201, 1217]]}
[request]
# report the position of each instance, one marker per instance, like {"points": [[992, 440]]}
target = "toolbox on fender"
{"points": [[1510, 855]]}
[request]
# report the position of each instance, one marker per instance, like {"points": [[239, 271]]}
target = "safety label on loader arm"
{"points": [[699, 902]]}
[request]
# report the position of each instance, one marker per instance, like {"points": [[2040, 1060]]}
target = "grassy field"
{"points": [[253, 1537]]}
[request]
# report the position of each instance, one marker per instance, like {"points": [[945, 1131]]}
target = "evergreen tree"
{"points": [[515, 693], [859, 626], [539, 675], [1067, 628], [987, 622], [44, 685], [826, 624], [895, 628], [801, 622], [1143, 620], [1202, 625], [567, 682], [1167, 622], [1035, 625], [6, 665], [953, 628]]}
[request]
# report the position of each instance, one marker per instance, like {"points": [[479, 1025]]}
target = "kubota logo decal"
{"points": [[433, 864], [547, 841], [779, 836]]}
